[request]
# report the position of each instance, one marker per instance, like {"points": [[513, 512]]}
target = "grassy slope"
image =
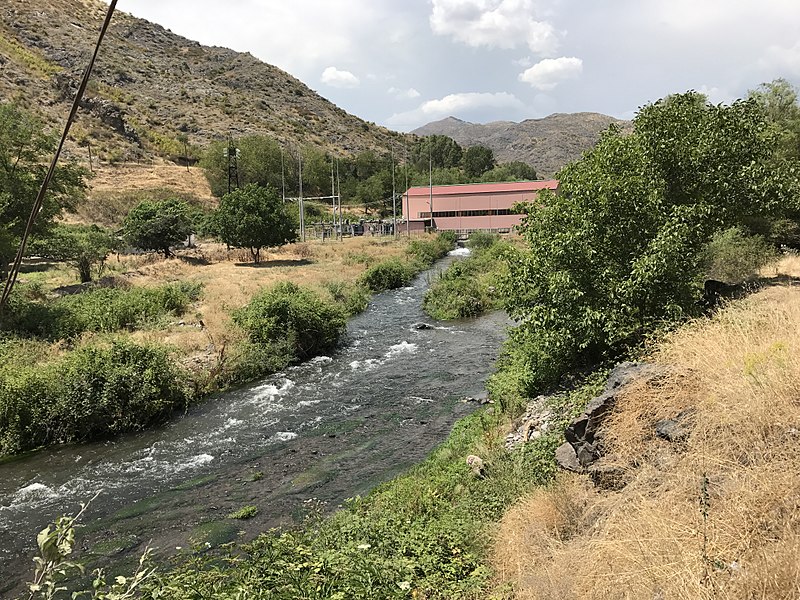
{"points": [[718, 517]]}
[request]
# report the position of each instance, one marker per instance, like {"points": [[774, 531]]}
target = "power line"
{"points": [[37, 205]]}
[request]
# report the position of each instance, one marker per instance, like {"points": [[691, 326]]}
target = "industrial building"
{"points": [[470, 207]]}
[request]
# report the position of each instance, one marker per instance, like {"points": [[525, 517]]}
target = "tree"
{"points": [[778, 102], [443, 152], [254, 217], [157, 226], [511, 171], [259, 162], [25, 149], [476, 161], [618, 251], [82, 246]]}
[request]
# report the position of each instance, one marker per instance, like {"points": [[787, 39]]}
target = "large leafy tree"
{"points": [[511, 171], [442, 151], [25, 149], [259, 161], [158, 226], [617, 252], [779, 103], [254, 217], [476, 161]]}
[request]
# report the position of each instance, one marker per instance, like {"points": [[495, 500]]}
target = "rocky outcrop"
{"points": [[584, 435], [676, 429], [532, 425]]}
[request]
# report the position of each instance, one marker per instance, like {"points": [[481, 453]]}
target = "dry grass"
{"points": [[230, 280], [715, 517], [130, 177]]}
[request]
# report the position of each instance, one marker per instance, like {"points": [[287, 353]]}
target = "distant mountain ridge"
{"points": [[151, 87], [547, 144]]}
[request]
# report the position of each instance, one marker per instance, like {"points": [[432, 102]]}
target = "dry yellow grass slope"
{"points": [[131, 176], [715, 517]]}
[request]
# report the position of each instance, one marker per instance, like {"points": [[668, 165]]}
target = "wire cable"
{"points": [[37, 205]]}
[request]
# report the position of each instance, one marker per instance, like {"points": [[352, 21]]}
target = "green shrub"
{"points": [[353, 297], [246, 512], [292, 318], [428, 249], [249, 361], [456, 298], [466, 288], [94, 392], [103, 310], [481, 240], [389, 274], [732, 256]]}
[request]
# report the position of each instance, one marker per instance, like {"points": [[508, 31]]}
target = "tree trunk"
{"points": [[85, 271]]}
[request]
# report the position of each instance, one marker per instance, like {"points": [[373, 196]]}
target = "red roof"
{"points": [[485, 188]]}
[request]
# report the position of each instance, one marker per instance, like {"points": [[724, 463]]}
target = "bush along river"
{"points": [[320, 432]]}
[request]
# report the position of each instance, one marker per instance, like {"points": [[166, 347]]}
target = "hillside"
{"points": [[150, 86], [547, 144]]}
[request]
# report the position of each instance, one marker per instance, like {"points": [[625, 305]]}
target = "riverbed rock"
{"points": [[475, 463], [422, 326]]}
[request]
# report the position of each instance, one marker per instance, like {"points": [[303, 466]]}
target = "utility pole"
{"points": [[333, 202], [339, 202], [301, 208], [283, 180], [394, 199], [430, 177], [408, 209]]}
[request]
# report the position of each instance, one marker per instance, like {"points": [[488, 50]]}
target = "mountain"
{"points": [[547, 144], [150, 86]]}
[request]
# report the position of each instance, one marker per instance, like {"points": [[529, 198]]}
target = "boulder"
{"points": [[676, 429], [566, 458], [422, 326], [584, 434]]}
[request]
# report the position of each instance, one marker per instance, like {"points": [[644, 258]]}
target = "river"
{"points": [[326, 430]]}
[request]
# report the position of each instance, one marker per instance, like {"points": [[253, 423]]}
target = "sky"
{"points": [[404, 63]]}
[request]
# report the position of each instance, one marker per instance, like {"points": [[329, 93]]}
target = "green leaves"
{"points": [[291, 316], [616, 253], [25, 149], [158, 225], [254, 217]]}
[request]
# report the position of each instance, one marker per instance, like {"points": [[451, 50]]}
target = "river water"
{"points": [[328, 429]]}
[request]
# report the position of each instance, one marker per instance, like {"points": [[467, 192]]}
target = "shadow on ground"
{"points": [[266, 264]]}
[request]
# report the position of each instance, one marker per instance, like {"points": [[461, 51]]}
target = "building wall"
{"points": [[452, 204]]}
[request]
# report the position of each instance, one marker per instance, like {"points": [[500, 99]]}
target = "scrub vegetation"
{"points": [[467, 288]]}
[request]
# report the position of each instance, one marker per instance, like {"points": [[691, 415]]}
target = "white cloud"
{"points": [[494, 23], [455, 105], [782, 60], [716, 95], [523, 62], [409, 94], [548, 73], [341, 79]]}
